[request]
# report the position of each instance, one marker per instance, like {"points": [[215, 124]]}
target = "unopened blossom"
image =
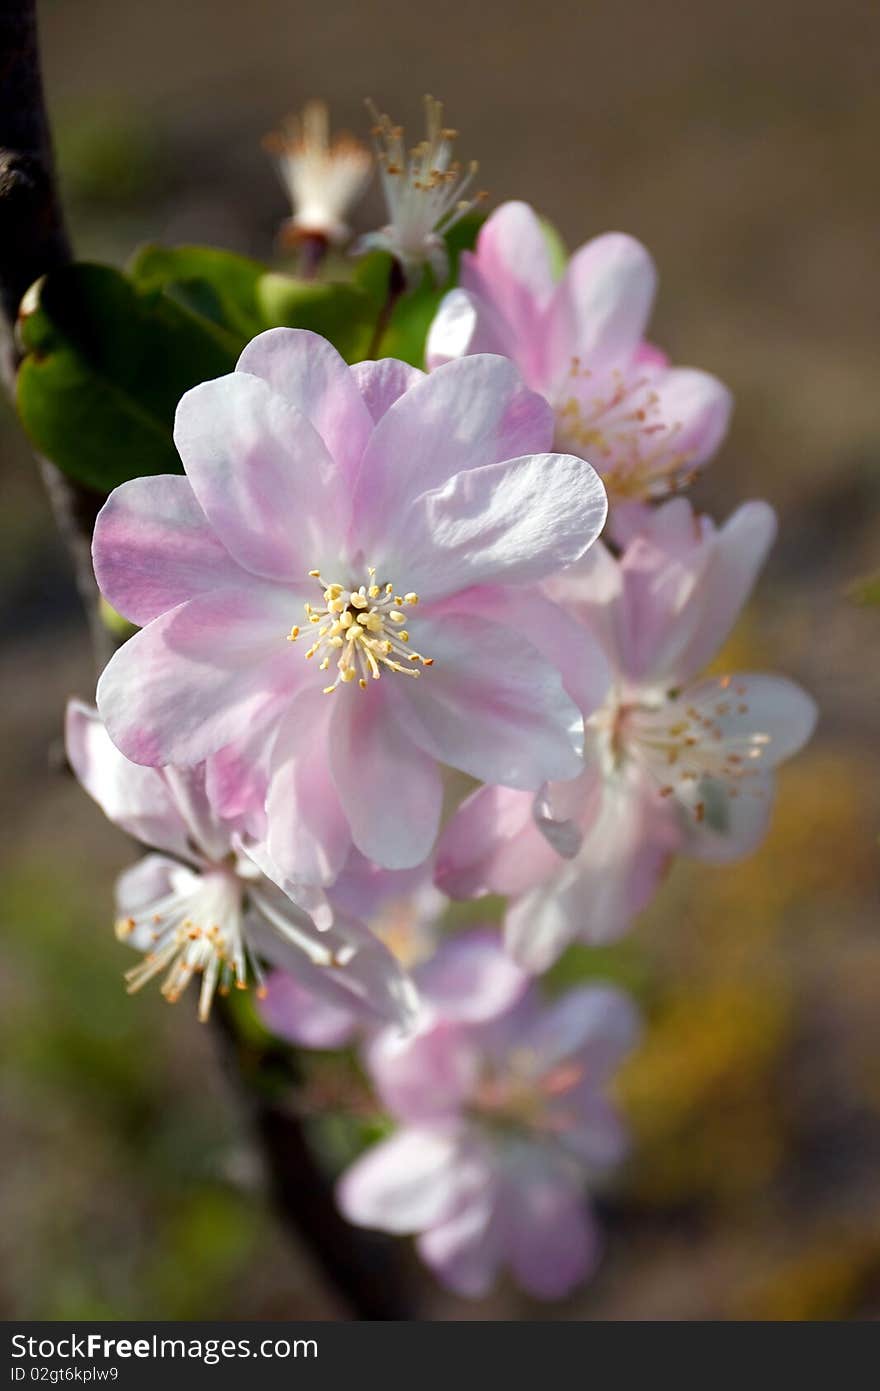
{"points": [[675, 762], [503, 1120], [202, 908], [324, 178], [647, 427], [337, 597], [424, 190]]}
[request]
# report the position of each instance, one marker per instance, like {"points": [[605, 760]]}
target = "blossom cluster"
{"points": [[372, 579]]}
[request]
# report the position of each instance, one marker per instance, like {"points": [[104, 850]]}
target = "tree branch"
{"points": [[33, 242]]}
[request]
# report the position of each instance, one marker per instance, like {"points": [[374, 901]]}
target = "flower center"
{"points": [[618, 426], [361, 631], [695, 743], [198, 933]]}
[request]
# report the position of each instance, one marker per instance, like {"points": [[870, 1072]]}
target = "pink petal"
{"points": [[309, 373], [548, 1236], [696, 408], [263, 476], [511, 270], [595, 897], [187, 684], [463, 1251], [407, 1183], [490, 705], [507, 523], [153, 547], [381, 383], [425, 1076], [471, 978], [463, 416], [465, 324], [492, 845], [601, 305], [308, 832], [569, 647], [740, 549], [596, 1024], [344, 964], [295, 1013], [389, 788], [135, 799], [145, 883]]}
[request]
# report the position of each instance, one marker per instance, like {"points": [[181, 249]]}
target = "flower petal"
{"points": [[471, 978], [597, 1024], [511, 270], [601, 306], [309, 373], [492, 846], [380, 383], [187, 684], [426, 1076], [465, 324], [740, 549], [490, 705], [407, 1183], [513, 522], [144, 883], [549, 1237], [344, 964], [569, 647], [467, 414], [623, 857], [153, 547], [291, 1011], [263, 476], [696, 408], [309, 837], [137, 800], [463, 1251], [389, 788]]}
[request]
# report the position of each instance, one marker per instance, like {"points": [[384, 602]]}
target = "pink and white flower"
{"points": [[323, 178], [201, 907], [402, 909], [424, 193], [645, 426], [503, 1118], [674, 762], [334, 599]]}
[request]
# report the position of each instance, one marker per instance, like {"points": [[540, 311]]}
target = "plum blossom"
{"points": [[424, 193], [675, 762], [503, 1118], [335, 598], [201, 907], [645, 426], [402, 909], [323, 178]]}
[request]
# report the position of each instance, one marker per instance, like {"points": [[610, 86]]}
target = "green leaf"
{"points": [[340, 312], [106, 364], [218, 285], [246, 297], [867, 590]]}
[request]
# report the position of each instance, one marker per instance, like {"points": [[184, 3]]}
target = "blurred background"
{"points": [[739, 142]]}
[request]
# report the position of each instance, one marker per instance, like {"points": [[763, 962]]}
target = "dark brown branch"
{"points": [[362, 1267], [33, 241]]}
